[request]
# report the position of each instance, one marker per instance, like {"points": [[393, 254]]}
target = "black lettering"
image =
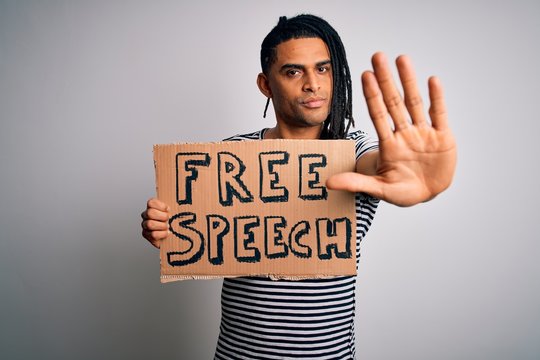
{"points": [[299, 230], [243, 226], [328, 239], [217, 227], [230, 170], [273, 237], [185, 164], [179, 226], [308, 186], [269, 178]]}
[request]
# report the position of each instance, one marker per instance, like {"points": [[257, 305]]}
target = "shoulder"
{"points": [[256, 135], [357, 135], [363, 142]]}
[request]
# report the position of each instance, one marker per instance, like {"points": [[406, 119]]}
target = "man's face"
{"points": [[300, 81]]}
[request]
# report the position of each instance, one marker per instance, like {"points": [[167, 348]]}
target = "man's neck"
{"points": [[304, 133]]}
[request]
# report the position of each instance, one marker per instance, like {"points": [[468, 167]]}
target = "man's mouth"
{"points": [[313, 102]]}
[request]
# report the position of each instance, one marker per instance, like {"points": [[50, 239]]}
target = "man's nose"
{"points": [[311, 82]]}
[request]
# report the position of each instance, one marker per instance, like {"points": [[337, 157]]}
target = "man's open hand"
{"points": [[417, 159]]}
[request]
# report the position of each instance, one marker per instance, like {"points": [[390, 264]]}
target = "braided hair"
{"points": [[340, 117]]}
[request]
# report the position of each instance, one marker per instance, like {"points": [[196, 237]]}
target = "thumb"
{"points": [[355, 182]]}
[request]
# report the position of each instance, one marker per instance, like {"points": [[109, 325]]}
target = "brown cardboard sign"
{"points": [[256, 208]]}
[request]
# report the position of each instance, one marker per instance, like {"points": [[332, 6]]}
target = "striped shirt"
{"points": [[284, 319]]}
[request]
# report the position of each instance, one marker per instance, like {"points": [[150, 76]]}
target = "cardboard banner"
{"points": [[256, 208]]}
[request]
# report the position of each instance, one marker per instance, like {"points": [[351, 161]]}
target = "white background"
{"points": [[86, 89]]}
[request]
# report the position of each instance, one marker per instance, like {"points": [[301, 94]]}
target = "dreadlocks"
{"points": [[310, 26]]}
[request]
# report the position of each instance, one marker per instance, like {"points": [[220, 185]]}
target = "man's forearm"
{"points": [[367, 163]]}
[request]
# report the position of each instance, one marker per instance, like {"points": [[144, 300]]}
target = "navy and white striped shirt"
{"points": [[306, 319]]}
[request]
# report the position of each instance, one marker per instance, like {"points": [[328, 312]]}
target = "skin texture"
{"points": [[416, 158]]}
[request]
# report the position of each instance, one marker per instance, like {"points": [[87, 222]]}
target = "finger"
{"points": [[154, 214], [157, 204], [356, 183], [153, 225], [377, 109], [437, 109], [392, 97], [413, 100]]}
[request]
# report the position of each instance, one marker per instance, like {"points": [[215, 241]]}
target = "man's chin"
{"points": [[314, 122], [313, 119]]}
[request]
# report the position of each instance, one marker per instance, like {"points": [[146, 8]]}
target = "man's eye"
{"points": [[323, 69], [293, 72]]}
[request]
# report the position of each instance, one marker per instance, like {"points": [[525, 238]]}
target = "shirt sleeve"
{"points": [[363, 143]]}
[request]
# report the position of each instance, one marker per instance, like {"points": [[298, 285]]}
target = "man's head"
{"points": [[328, 54]]}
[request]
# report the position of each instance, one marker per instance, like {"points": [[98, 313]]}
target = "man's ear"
{"points": [[263, 84]]}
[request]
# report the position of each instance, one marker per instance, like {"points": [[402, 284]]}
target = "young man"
{"points": [[306, 76]]}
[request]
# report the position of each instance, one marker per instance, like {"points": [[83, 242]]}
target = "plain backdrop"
{"points": [[86, 89]]}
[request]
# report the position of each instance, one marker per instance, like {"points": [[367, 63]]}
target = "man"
{"points": [[306, 76]]}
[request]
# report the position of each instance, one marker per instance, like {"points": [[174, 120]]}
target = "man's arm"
{"points": [[367, 163], [416, 159]]}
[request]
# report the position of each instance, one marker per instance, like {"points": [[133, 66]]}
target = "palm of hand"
{"points": [[416, 160], [415, 164]]}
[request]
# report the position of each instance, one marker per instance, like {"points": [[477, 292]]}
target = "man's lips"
{"points": [[313, 102]]}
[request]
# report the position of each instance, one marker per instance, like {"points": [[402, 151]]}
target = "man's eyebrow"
{"points": [[301, 67], [322, 63], [292, 66]]}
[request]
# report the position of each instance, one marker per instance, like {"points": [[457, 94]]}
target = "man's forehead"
{"points": [[302, 51]]}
